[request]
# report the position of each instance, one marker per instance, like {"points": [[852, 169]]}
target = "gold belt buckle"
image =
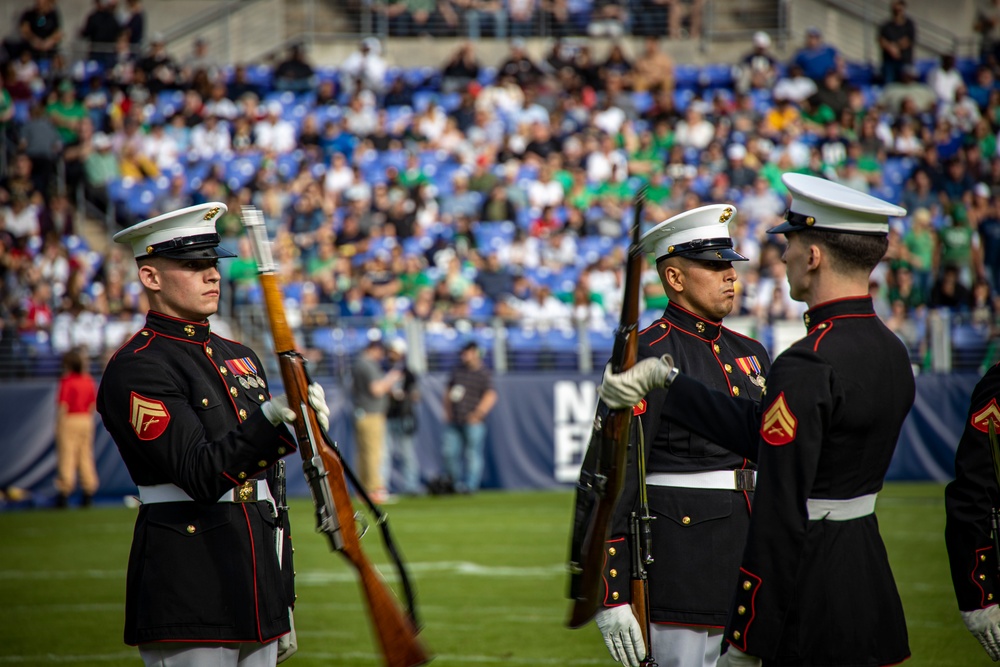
{"points": [[247, 492]]}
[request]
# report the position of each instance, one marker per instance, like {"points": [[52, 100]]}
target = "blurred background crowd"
{"points": [[477, 197]]}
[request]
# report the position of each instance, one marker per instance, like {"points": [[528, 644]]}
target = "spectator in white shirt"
{"points": [[606, 162], [339, 176], [211, 138], [218, 104], [365, 68], [945, 79], [161, 147], [543, 311], [273, 133], [694, 131], [544, 191]]}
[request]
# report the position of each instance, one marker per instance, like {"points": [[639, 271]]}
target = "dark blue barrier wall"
{"points": [[537, 433]]}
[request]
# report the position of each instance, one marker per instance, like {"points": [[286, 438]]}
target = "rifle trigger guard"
{"points": [[362, 522]]}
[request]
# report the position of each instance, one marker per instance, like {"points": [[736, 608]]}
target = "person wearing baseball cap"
{"points": [[198, 430], [814, 569], [696, 548]]}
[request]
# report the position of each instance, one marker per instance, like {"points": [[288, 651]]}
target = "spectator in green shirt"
{"points": [[955, 245], [67, 113]]}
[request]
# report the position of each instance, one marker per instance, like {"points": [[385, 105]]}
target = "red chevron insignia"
{"points": [[981, 420], [149, 418], [779, 424], [639, 408]]}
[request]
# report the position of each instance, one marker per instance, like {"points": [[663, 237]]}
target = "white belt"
{"points": [[830, 509], [251, 491], [729, 480]]}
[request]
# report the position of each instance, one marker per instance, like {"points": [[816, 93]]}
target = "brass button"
{"points": [[736, 634], [729, 369], [233, 391], [612, 551], [222, 369], [806, 319], [260, 397], [281, 451], [700, 326], [822, 326], [747, 585], [243, 414], [144, 333], [204, 402], [982, 577], [686, 520], [741, 610], [190, 528], [982, 556], [614, 596], [262, 463], [663, 326], [716, 348], [614, 572], [208, 351], [242, 475], [736, 391]]}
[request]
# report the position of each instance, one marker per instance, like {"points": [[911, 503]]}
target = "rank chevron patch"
{"points": [[149, 417], [779, 424], [981, 420]]}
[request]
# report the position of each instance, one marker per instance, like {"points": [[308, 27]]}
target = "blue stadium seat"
{"points": [[524, 347], [686, 77], [860, 74], [716, 75], [494, 235]]}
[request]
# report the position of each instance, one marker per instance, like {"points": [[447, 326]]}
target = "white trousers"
{"points": [[175, 654], [685, 645]]}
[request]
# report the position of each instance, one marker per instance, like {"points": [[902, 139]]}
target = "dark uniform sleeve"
{"points": [[731, 422], [796, 412], [142, 397], [969, 499]]}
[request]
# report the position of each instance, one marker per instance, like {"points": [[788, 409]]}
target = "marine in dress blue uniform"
{"points": [[815, 587], [699, 491], [969, 500], [210, 564]]}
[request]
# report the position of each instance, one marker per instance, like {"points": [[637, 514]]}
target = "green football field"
{"points": [[489, 571]]}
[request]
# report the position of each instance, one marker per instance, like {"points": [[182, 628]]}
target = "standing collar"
{"points": [[195, 332], [849, 306], [687, 321]]}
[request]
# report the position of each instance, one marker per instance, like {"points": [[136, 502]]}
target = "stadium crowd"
{"points": [[476, 191]]}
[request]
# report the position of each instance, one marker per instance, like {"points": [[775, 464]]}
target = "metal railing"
{"points": [[949, 343]]}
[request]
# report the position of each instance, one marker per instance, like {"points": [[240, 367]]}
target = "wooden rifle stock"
{"points": [[610, 441], [326, 474]]}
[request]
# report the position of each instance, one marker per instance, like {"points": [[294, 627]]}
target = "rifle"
{"points": [[641, 537], [603, 474], [327, 475]]}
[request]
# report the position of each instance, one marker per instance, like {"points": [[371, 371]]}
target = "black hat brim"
{"points": [[215, 252], [713, 255]]}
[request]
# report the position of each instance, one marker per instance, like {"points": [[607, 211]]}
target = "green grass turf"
{"points": [[489, 572]]}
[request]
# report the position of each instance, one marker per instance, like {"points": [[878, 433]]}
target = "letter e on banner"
{"points": [[149, 417], [779, 424]]}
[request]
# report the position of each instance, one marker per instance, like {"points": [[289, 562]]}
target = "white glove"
{"points": [[737, 658], [623, 390], [277, 411], [622, 634], [288, 644], [984, 624]]}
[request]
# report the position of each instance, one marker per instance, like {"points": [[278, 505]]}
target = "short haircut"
{"points": [[850, 253]]}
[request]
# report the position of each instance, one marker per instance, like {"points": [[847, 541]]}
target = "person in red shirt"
{"points": [[77, 400]]}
